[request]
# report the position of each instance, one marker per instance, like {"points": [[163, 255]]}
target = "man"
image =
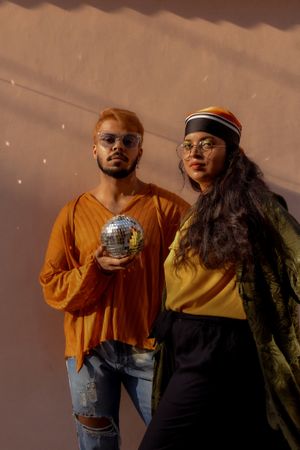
{"points": [[110, 303]]}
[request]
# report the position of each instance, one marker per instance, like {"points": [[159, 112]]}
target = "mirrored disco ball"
{"points": [[122, 236]]}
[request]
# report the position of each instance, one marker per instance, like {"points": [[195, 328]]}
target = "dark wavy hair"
{"points": [[228, 222]]}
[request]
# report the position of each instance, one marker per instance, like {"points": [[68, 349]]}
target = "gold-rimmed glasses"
{"points": [[203, 147]]}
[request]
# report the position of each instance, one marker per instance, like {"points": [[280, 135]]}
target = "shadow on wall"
{"points": [[292, 199], [247, 14]]}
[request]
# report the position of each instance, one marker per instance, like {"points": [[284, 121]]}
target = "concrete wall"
{"points": [[60, 63]]}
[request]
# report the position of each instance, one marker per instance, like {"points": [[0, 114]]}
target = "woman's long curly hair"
{"points": [[229, 221]]}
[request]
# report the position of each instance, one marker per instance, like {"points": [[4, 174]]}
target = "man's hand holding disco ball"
{"points": [[109, 264], [122, 238]]}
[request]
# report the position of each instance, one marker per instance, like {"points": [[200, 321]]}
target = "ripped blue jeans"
{"points": [[96, 390]]}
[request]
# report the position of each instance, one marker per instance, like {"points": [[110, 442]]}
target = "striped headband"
{"points": [[217, 121]]}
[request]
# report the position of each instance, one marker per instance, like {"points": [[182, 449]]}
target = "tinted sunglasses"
{"points": [[129, 140]]}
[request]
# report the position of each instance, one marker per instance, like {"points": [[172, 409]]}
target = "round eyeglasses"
{"points": [[203, 147], [129, 140]]}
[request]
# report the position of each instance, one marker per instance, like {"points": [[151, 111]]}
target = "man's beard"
{"points": [[116, 172]]}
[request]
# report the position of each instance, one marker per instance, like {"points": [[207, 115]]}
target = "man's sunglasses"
{"points": [[129, 140]]}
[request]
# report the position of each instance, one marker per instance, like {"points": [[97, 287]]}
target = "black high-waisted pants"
{"points": [[215, 398]]}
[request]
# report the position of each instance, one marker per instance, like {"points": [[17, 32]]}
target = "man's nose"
{"points": [[118, 143]]}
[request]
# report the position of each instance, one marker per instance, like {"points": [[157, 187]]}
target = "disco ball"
{"points": [[122, 236]]}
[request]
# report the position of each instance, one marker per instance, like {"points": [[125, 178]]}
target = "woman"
{"points": [[228, 357]]}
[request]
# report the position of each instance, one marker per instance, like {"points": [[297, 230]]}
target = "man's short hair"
{"points": [[127, 118]]}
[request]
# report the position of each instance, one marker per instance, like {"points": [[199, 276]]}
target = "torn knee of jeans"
{"points": [[97, 423]]}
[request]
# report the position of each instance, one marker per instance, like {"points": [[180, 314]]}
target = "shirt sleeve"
{"points": [[67, 285]]}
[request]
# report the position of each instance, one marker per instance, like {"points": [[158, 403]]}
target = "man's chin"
{"points": [[116, 173]]}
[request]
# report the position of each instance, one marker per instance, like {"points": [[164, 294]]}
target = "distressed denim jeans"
{"points": [[96, 390]]}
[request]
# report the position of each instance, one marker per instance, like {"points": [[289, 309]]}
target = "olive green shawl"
{"points": [[271, 307]]}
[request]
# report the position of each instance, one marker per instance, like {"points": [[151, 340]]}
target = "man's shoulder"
{"points": [[168, 196], [78, 199], [70, 206]]}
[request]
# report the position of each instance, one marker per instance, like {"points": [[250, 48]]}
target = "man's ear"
{"points": [[140, 152], [95, 151]]}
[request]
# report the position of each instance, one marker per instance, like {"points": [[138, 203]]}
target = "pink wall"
{"points": [[60, 63]]}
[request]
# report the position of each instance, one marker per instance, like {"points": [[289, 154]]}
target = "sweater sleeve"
{"points": [[67, 285], [290, 231]]}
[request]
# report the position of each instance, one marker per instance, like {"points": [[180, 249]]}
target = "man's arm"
{"points": [[67, 285]]}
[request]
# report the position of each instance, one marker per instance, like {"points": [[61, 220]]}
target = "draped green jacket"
{"points": [[270, 300]]}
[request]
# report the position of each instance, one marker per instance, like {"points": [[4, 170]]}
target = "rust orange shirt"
{"points": [[101, 307]]}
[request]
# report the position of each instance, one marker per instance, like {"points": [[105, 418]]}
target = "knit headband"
{"points": [[217, 121]]}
